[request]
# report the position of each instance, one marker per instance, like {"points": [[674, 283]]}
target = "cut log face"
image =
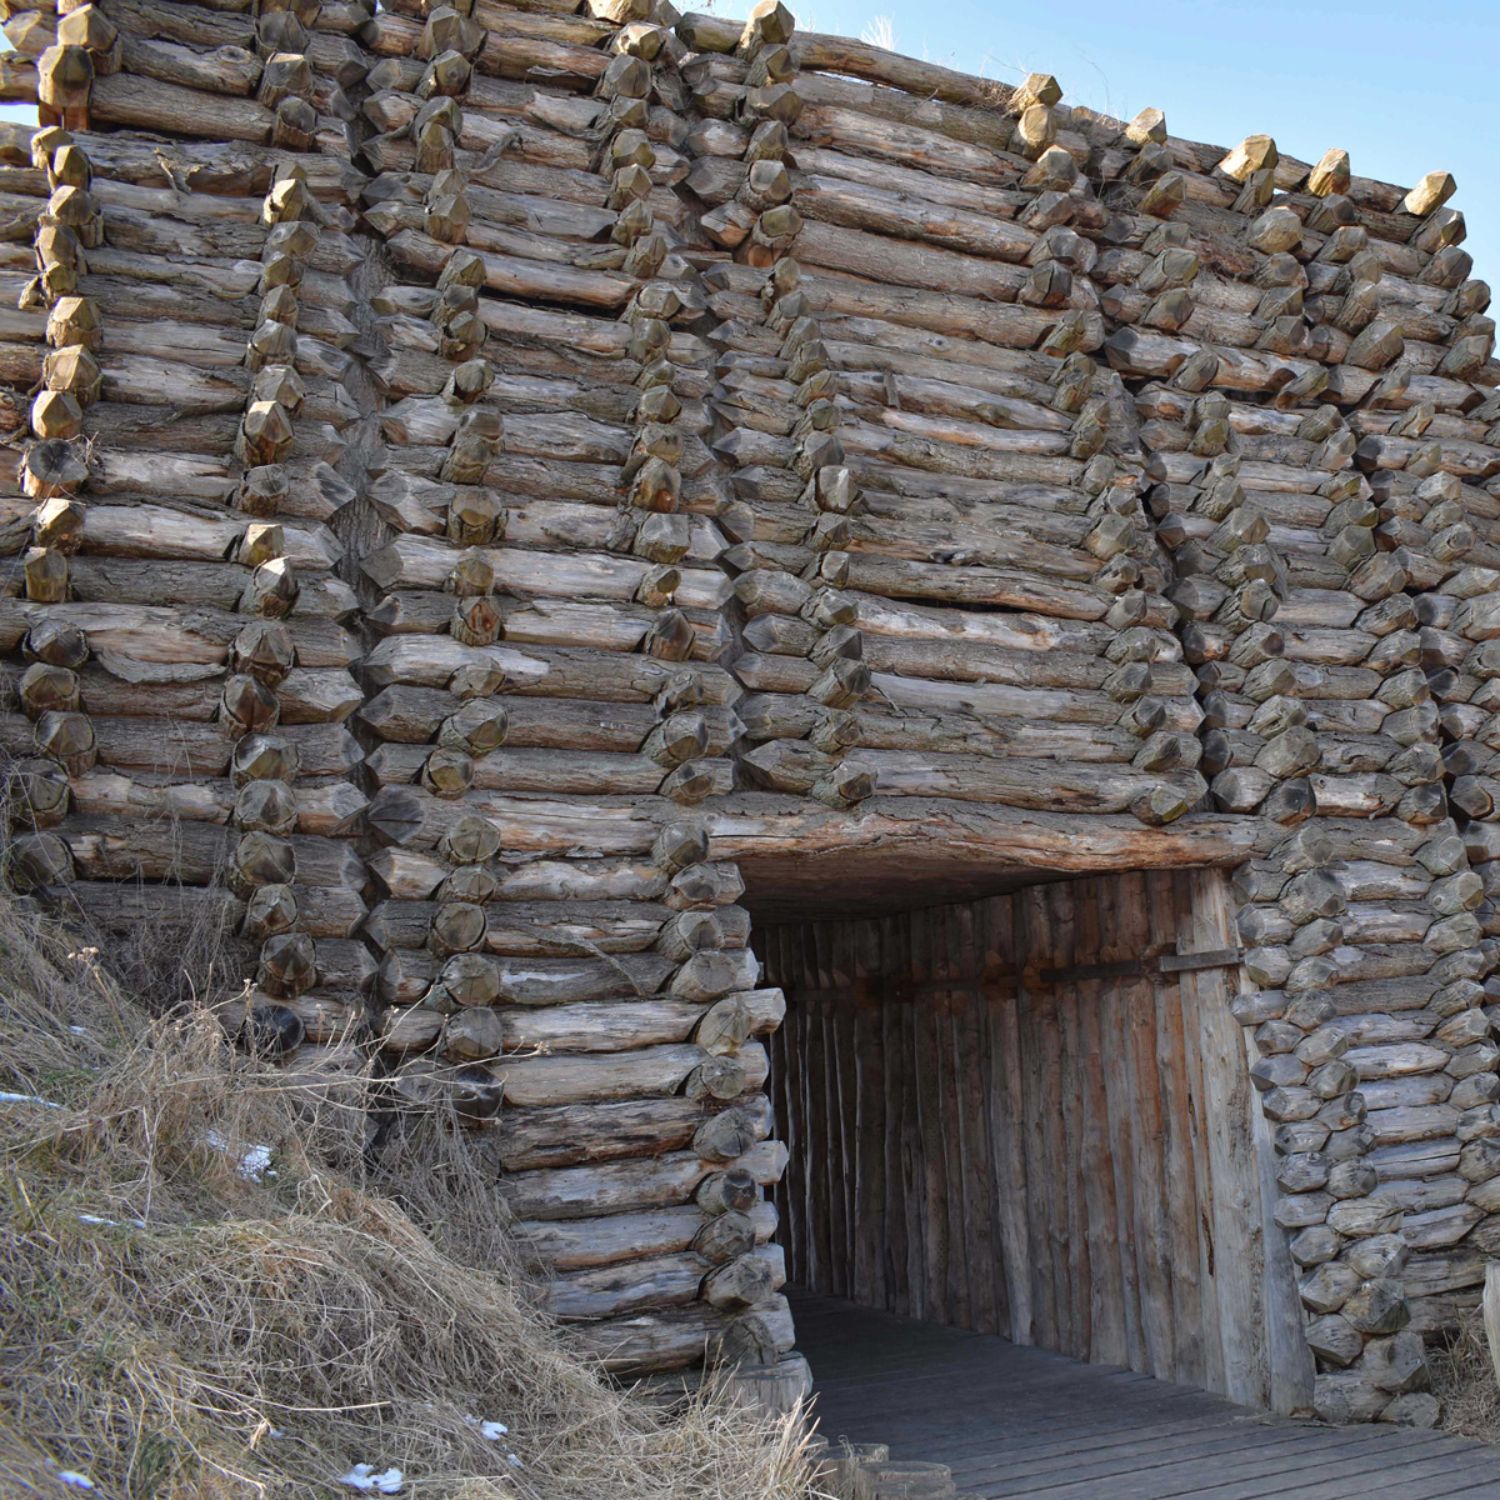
{"points": [[501, 500]]}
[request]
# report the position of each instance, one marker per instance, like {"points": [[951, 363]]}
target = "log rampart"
{"points": [[496, 493]]}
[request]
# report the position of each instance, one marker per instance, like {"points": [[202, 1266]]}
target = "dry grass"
{"points": [[1463, 1380], [174, 1328]]}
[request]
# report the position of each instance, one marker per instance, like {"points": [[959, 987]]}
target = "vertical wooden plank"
{"points": [[1162, 903], [912, 1184], [795, 1121], [1191, 938], [1037, 1051], [1115, 1007], [1266, 1357], [1235, 1227], [1142, 1101], [785, 1058], [1154, 1216], [827, 1104], [928, 1114], [1055, 904], [976, 1170], [1095, 1148], [833, 937], [897, 1270], [815, 1098], [1003, 1094], [867, 1127], [1080, 936], [796, 939], [955, 1191], [1056, 1089], [1108, 1298], [848, 1073]]}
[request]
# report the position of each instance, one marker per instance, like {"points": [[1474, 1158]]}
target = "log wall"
{"points": [[985, 1133], [485, 486]]}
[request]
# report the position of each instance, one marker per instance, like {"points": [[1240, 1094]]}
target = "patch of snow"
{"points": [[491, 1432], [514, 1460], [255, 1162], [27, 1099], [111, 1223], [79, 1030], [74, 1480], [364, 1478]]}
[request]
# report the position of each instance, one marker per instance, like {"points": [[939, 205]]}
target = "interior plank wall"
{"points": [[1068, 1161]]}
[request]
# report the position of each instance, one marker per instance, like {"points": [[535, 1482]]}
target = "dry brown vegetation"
{"points": [[1463, 1379], [175, 1327]]}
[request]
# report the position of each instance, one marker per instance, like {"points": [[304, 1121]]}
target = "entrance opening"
{"points": [[1030, 1114]]}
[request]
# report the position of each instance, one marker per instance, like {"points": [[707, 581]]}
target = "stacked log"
{"points": [[551, 607], [299, 954], [684, 411], [1306, 582], [802, 656], [52, 471], [188, 612], [989, 538]]}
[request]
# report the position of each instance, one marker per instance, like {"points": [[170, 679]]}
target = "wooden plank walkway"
{"points": [[1013, 1421]]}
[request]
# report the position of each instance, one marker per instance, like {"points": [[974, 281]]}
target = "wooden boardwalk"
{"points": [[1014, 1421]]}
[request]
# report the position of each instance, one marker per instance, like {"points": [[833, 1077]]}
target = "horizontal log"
{"points": [[173, 748], [620, 1238], [531, 928], [144, 103], [657, 1182], [672, 1339], [412, 875], [573, 1134], [422, 562], [330, 808], [916, 304], [654, 1282], [860, 206], [797, 858], [895, 578], [431, 661], [606, 1027], [170, 636]]}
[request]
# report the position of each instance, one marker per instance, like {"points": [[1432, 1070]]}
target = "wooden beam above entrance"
{"points": [[895, 853]]}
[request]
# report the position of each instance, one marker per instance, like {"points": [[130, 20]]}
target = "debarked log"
{"points": [[884, 833], [677, 1337], [666, 1281], [330, 807], [672, 1179], [567, 1135], [615, 1238], [531, 928], [542, 671]]}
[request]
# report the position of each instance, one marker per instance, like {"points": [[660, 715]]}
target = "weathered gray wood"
{"points": [[1069, 477], [1014, 1421]]}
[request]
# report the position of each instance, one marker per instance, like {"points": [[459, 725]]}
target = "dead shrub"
{"points": [[208, 1294]]}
